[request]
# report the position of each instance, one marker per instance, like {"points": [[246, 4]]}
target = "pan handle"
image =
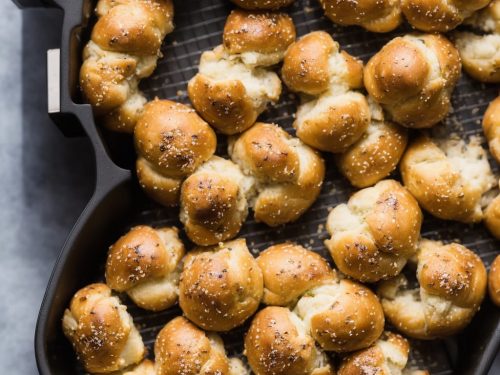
{"points": [[76, 119]]}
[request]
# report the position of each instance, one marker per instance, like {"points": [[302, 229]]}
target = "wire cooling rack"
{"points": [[199, 26]]}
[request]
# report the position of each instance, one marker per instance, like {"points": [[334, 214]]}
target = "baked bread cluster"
{"points": [[451, 283], [289, 271], [146, 264], [278, 343], [377, 153], [102, 331], [234, 84], [480, 48], [413, 77], [124, 47], [287, 175], [220, 286], [381, 16], [183, 348], [311, 310], [333, 115], [342, 316], [389, 355], [214, 202], [449, 177], [375, 233], [272, 172], [171, 141]]}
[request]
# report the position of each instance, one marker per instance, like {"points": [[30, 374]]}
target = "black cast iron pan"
{"points": [[117, 203]]}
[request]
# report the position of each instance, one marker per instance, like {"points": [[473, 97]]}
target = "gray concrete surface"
{"points": [[45, 181]]}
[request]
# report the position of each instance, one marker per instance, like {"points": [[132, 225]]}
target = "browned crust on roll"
{"points": [[439, 16], [261, 32], [220, 286], [124, 47], [214, 202], [289, 271], [450, 277], [375, 155], [305, 67], [343, 316], [182, 348], [374, 15], [225, 105], [277, 344], [412, 77], [375, 233], [389, 352], [145, 263], [100, 330], [230, 93], [134, 27], [439, 185], [171, 141], [288, 175], [335, 116]]}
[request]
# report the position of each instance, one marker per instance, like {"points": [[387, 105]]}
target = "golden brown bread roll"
{"points": [[413, 77], [388, 356], [342, 316], [124, 47], [171, 142], [439, 15], [221, 286], [449, 177], [263, 4], [491, 127], [335, 116], [258, 38], [288, 175], [492, 217], [375, 233], [182, 348], [146, 263], [494, 281], [314, 64], [277, 343], [480, 49], [214, 202], [376, 154], [379, 16], [451, 286], [101, 331], [289, 271], [229, 94]]}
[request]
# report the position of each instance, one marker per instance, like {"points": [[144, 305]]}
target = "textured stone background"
{"points": [[45, 181]]}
